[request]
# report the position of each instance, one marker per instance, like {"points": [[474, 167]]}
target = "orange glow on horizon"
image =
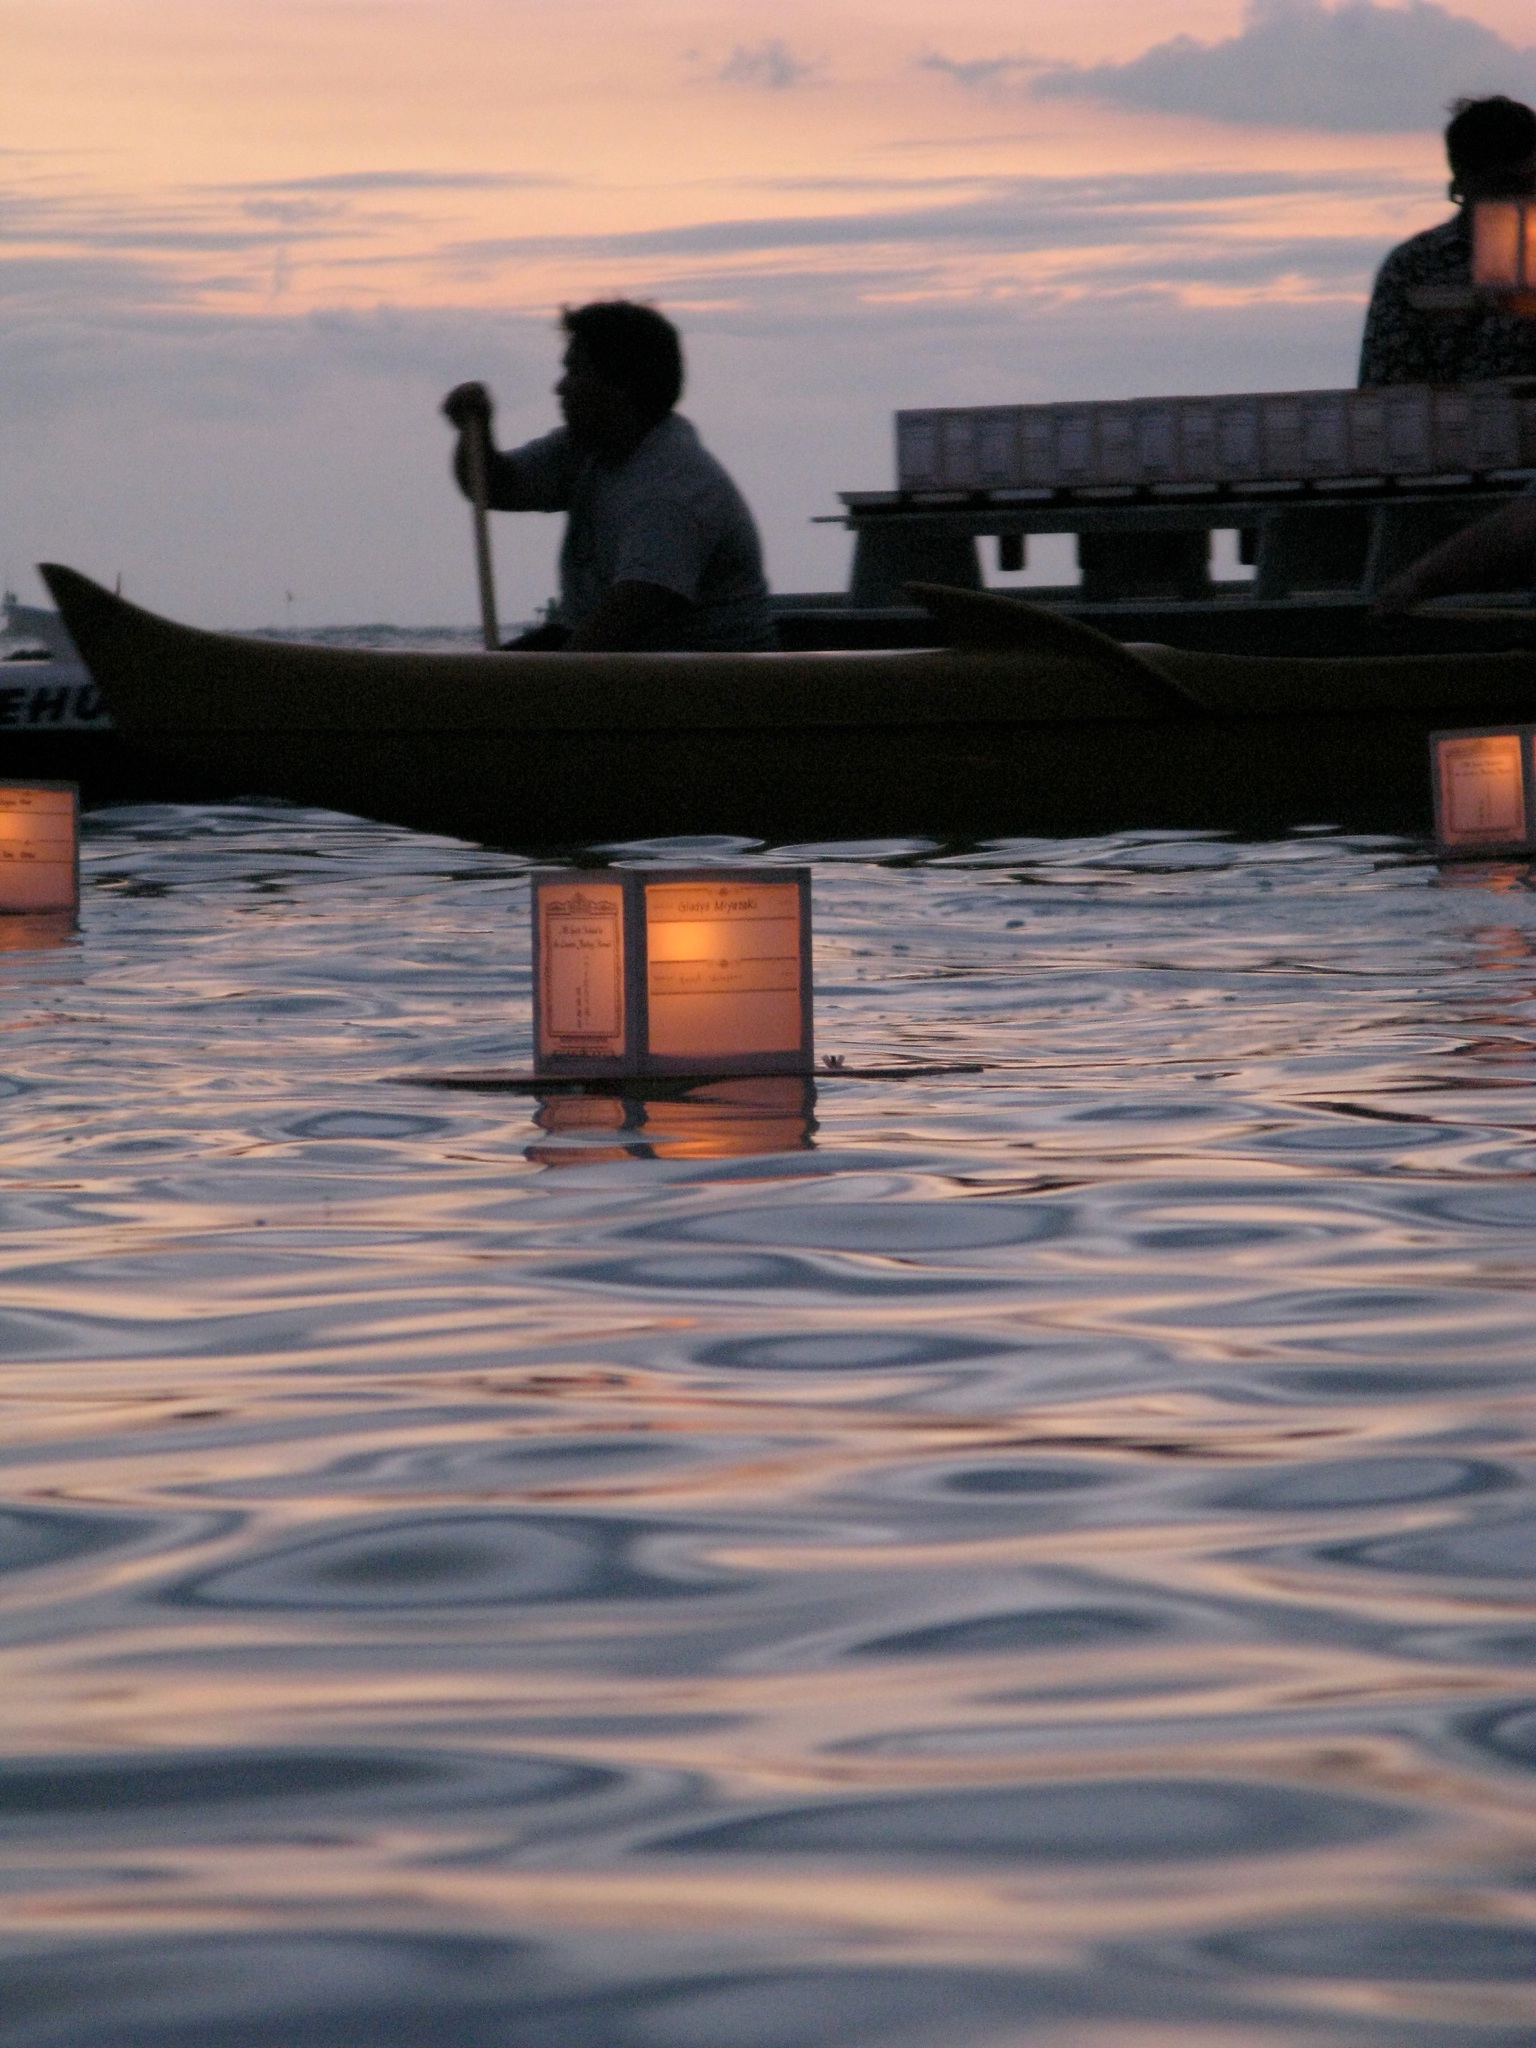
{"points": [[344, 153], [258, 243]]}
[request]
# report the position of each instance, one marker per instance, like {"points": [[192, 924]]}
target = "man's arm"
{"points": [[1497, 553], [533, 479], [632, 618]]}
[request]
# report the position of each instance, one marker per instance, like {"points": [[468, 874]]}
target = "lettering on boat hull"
{"points": [[32, 701]]}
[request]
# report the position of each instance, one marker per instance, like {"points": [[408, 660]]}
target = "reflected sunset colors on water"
{"points": [[1040, 1554]]}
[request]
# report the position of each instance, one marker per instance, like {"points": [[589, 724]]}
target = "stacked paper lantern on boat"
{"points": [[1504, 251], [1251, 437]]}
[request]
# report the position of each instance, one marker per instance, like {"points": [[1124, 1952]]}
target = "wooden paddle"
{"points": [[474, 456]]}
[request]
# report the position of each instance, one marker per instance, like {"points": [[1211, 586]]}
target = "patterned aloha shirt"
{"points": [[1406, 344]]}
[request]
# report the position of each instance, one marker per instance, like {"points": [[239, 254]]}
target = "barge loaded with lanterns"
{"points": [[1024, 721], [1251, 522]]}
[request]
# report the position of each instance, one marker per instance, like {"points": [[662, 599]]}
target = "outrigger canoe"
{"points": [[1025, 723]]}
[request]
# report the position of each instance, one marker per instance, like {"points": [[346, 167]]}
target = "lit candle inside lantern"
{"points": [[1481, 800], [675, 971], [39, 847], [722, 968]]}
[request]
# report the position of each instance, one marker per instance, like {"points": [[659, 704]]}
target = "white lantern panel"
{"points": [[723, 968], [1481, 787], [581, 990]]}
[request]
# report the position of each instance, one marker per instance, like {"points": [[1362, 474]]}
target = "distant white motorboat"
{"points": [[44, 685], [33, 625]]}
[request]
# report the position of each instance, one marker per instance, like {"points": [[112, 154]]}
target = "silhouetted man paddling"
{"points": [[660, 552]]}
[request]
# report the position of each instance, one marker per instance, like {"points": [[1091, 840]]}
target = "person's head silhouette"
{"points": [[1491, 148]]}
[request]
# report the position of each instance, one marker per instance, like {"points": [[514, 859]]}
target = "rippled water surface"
{"points": [[1044, 1555]]}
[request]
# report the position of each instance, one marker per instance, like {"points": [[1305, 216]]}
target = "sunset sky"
{"points": [[247, 246]]}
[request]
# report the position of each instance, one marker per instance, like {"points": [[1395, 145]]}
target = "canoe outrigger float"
{"points": [[1025, 723]]}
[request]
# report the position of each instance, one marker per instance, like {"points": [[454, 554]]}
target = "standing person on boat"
{"points": [[661, 553], [1491, 148]]}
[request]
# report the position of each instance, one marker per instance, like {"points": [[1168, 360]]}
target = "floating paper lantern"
{"points": [[672, 971], [1484, 783], [40, 848]]}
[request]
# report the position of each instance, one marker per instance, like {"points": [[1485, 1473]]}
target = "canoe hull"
{"points": [[552, 751], [986, 781]]}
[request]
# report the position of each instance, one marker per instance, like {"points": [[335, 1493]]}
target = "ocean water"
{"points": [[1041, 1556]]}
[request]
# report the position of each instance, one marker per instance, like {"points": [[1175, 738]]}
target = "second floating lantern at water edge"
{"points": [[40, 848]]}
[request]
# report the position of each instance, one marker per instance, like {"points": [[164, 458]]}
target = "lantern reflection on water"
{"points": [[746, 1117], [672, 971], [37, 931], [40, 848]]}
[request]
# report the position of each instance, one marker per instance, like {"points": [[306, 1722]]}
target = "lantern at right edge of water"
{"points": [[39, 848]]}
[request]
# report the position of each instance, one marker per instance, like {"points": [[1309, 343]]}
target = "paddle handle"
{"points": [[474, 460]]}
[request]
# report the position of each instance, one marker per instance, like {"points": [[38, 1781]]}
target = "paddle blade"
{"points": [[988, 619]]}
